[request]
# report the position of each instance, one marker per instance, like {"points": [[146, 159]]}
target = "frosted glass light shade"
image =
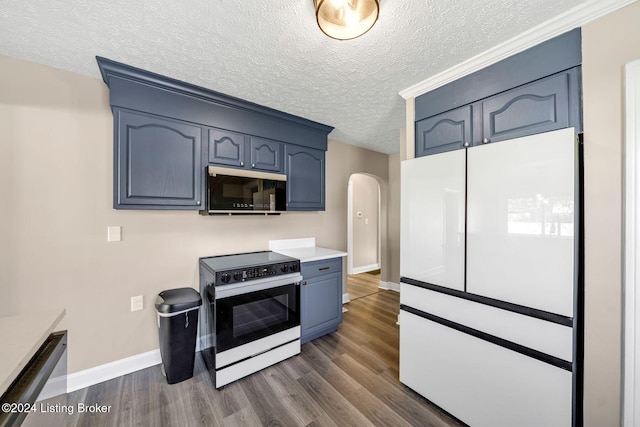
{"points": [[346, 19]]}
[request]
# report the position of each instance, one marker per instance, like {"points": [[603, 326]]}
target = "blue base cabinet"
{"points": [[320, 298], [157, 162]]}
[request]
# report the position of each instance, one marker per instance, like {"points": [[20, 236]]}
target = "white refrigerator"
{"points": [[490, 261]]}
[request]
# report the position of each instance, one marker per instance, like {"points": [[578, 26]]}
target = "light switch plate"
{"points": [[114, 233], [136, 303]]}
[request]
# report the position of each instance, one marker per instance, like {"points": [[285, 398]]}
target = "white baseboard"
{"points": [[108, 371], [365, 268], [345, 298], [389, 286]]}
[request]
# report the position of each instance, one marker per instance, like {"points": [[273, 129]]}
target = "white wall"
{"points": [[365, 227], [393, 241], [607, 45], [56, 191]]}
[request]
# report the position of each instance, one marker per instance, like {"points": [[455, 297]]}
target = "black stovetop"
{"points": [[245, 260]]}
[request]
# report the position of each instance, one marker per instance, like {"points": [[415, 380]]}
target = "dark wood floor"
{"points": [[349, 378], [363, 284]]}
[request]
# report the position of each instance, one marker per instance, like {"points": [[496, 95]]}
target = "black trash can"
{"points": [[178, 325]]}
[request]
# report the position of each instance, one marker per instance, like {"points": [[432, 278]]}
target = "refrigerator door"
{"points": [[432, 219], [521, 211]]}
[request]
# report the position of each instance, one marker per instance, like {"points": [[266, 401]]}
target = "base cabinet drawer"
{"points": [[478, 382]]}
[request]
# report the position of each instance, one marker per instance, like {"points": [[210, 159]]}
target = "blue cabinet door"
{"points": [[305, 170], [541, 106], [266, 155], [158, 163], [227, 148], [445, 132], [320, 298]]}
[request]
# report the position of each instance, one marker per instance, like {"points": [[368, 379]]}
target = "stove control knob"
{"points": [[237, 276], [284, 268], [225, 277], [293, 267]]}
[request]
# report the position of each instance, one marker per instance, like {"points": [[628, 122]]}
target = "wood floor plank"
{"points": [[304, 409], [246, 417], [269, 409], [374, 409], [362, 285], [296, 367], [323, 420], [333, 403], [126, 414], [332, 374]]}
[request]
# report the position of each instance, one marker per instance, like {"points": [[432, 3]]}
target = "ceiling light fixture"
{"points": [[346, 19]]}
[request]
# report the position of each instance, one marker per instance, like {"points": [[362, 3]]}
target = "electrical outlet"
{"points": [[136, 303]]}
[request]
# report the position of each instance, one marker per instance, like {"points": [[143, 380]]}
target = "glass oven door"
{"points": [[238, 193], [256, 314]]}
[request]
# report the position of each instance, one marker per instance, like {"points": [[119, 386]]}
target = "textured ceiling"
{"points": [[270, 51]]}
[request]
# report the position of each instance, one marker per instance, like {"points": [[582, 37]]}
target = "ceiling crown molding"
{"points": [[573, 18]]}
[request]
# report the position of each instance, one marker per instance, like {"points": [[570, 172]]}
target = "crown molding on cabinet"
{"points": [[573, 18]]}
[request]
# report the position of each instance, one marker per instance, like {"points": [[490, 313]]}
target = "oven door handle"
{"points": [[226, 291]]}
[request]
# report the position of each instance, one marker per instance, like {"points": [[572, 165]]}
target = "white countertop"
{"points": [[21, 336], [311, 253], [304, 249]]}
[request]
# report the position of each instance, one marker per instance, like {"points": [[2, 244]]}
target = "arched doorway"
{"points": [[364, 235]]}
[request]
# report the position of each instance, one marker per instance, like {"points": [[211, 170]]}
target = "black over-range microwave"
{"points": [[238, 191]]}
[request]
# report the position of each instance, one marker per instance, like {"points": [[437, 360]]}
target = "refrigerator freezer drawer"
{"points": [[481, 383], [541, 335]]}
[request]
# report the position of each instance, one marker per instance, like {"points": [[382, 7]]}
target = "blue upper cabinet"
{"points": [[305, 178], [157, 163], [160, 155], [541, 106], [444, 132], [534, 91], [226, 148], [244, 151], [266, 155]]}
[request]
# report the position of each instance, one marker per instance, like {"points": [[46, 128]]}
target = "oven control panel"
{"points": [[254, 273]]}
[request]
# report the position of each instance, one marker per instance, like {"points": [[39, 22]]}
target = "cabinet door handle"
{"points": [[304, 283], [486, 140], [324, 268], [241, 163], [198, 203], [466, 144], [253, 165]]}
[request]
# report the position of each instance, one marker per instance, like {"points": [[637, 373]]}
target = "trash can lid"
{"points": [[174, 300]]}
